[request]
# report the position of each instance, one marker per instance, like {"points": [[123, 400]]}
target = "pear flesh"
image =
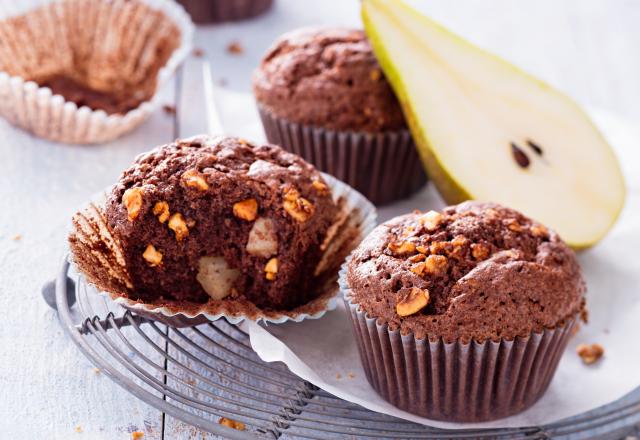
{"points": [[488, 131]]}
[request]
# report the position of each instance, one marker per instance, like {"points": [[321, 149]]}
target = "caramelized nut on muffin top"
{"points": [[474, 271], [211, 218]]}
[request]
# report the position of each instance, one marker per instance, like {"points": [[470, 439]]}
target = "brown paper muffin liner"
{"points": [[456, 381], [216, 11], [125, 49], [384, 167], [98, 256]]}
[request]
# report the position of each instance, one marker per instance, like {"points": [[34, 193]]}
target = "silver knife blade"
{"points": [[197, 111]]}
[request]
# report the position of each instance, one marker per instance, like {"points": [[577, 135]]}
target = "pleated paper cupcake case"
{"points": [[35, 109], [217, 11], [384, 167], [455, 381]]}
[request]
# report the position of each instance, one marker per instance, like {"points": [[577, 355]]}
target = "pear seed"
{"points": [[520, 157], [535, 147]]}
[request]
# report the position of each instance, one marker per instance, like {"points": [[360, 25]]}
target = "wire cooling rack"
{"points": [[200, 374]]}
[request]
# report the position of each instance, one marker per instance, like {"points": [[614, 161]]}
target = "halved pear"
{"points": [[486, 130]]}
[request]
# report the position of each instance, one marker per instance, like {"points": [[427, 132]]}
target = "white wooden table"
{"points": [[590, 48]]}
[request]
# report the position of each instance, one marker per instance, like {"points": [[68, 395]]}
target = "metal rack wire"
{"points": [[200, 374]]}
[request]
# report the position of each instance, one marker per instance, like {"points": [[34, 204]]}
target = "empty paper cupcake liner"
{"points": [[384, 167], [456, 381], [116, 42], [98, 257], [216, 11]]}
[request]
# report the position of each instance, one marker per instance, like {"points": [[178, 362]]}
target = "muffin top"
{"points": [[205, 217], [329, 78], [475, 271]]}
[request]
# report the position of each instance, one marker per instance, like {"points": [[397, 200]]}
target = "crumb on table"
{"points": [[233, 424], [198, 52], [137, 435], [590, 353], [235, 48], [78, 429]]}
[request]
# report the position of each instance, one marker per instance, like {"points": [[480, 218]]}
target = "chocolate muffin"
{"points": [[211, 218], [322, 95], [216, 11], [469, 309]]}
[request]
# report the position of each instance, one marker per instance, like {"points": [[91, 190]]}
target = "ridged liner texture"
{"points": [[114, 42], [384, 167], [217, 11], [97, 255], [456, 381]]}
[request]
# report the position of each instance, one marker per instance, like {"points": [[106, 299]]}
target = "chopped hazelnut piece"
{"points": [[152, 256], [480, 251], [438, 247], [408, 231], [401, 248], [422, 249], [418, 268], [590, 353], [271, 269], [375, 75], [539, 230], [297, 207], [161, 210], [246, 210], [490, 213], [416, 258], [193, 179], [233, 424], [321, 187], [178, 225], [431, 220], [513, 225], [459, 241], [416, 300], [435, 264], [132, 200]]}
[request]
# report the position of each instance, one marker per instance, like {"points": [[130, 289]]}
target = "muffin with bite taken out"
{"points": [[209, 219]]}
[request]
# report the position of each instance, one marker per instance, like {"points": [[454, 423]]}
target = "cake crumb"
{"points": [[590, 353], [198, 52], [137, 435], [576, 328], [338, 376], [235, 48], [233, 424], [169, 109], [78, 429], [17, 237], [584, 316], [350, 375]]}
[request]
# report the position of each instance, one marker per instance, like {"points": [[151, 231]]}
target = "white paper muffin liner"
{"points": [[361, 217], [36, 109]]}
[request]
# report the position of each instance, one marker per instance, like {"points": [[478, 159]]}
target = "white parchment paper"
{"points": [[324, 351]]}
